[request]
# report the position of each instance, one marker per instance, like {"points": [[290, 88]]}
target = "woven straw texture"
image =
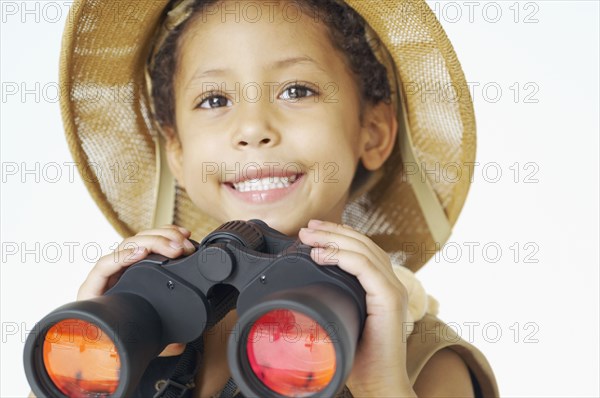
{"points": [[111, 136]]}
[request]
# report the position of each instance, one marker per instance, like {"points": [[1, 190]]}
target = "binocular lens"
{"points": [[81, 360], [290, 353]]}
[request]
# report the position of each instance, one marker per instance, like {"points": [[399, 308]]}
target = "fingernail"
{"points": [[176, 245], [315, 252], [188, 245], [309, 230], [183, 230], [318, 222]]}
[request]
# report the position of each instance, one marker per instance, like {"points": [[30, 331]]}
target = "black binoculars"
{"points": [[298, 322]]}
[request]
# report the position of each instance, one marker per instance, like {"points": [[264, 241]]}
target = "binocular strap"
{"points": [[182, 379], [230, 389]]}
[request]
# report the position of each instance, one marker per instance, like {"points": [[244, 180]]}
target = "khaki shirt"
{"points": [[431, 335]]}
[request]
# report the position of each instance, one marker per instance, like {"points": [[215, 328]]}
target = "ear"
{"points": [[379, 131], [174, 151]]}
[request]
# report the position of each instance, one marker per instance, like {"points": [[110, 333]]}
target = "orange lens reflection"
{"points": [[81, 360], [291, 353]]}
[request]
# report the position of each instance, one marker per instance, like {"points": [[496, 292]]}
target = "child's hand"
{"points": [[380, 362], [170, 241]]}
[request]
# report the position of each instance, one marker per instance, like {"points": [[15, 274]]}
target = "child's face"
{"points": [[252, 123]]}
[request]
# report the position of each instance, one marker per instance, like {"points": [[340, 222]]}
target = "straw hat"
{"points": [[119, 151]]}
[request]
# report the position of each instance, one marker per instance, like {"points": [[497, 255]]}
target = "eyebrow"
{"points": [[284, 63], [281, 64]]}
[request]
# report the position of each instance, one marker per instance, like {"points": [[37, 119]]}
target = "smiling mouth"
{"points": [[264, 184]]}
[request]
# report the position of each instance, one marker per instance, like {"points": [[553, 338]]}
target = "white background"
{"points": [[535, 317]]}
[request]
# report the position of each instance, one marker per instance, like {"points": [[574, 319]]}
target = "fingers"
{"points": [[375, 282], [107, 270], [170, 241], [327, 234], [173, 231], [340, 245]]}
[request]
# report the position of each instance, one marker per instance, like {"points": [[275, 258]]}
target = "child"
{"points": [[289, 112]]}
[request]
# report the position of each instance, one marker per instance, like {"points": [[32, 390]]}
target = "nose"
{"points": [[254, 129], [256, 141]]}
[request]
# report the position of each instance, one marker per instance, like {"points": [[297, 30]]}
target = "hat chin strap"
{"points": [[164, 208], [432, 209]]}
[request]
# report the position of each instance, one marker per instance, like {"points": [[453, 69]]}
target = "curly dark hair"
{"points": [[346, 29]]}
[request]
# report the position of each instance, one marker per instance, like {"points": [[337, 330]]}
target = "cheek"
{"points": [[200, 153], [334, 164], [198, 168]]}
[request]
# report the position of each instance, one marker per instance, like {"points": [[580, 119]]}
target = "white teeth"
{"points": [[264, 184]]}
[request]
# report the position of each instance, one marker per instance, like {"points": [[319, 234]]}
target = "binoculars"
{"points": [[298, 322]]}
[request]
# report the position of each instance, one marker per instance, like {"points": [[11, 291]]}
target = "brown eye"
{"points": [[214, 101], [297, 92]]}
